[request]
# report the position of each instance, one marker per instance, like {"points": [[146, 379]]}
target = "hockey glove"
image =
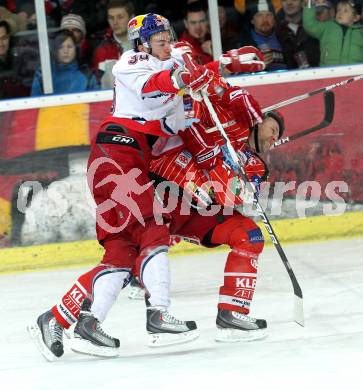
{"points": [[180, 48], [195, 82], [243, 105], [246, 59], [201, 145], [229, 188]]}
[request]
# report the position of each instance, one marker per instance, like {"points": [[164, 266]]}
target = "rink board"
{"points": [[32, 149], [74, 254]]}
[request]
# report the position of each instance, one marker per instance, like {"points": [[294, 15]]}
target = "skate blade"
{"points": [[157, 340], [36, 335], [136, 293], [227, 335], [87, 348]]}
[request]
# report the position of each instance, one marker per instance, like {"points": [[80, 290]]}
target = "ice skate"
{"points": [[89, 338], [136, 291], [233, 326], [165, 330], [48, 335]]}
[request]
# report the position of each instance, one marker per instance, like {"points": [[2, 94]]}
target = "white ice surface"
{"points": [[326, 354]]}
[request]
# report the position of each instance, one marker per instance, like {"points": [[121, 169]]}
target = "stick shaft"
{"points": [[312, 93]]}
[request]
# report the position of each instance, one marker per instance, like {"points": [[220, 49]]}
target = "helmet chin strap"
{"points": [[255, 135]]}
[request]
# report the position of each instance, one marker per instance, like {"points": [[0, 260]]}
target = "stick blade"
{"points": [[299, 310], [329, 105]]}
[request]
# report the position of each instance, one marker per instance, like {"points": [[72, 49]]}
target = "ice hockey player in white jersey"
{"points": [[147, 105]]}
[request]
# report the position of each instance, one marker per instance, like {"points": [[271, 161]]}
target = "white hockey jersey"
{"points": [[153, 112]]}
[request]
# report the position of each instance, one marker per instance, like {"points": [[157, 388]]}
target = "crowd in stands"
{"points": [[86, 38]]}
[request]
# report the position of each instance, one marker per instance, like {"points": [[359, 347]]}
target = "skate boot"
{"points": [[233, 326], [89, 338], [165, 330], [48, 335], [136, 291]]}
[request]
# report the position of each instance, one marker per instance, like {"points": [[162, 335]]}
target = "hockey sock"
{"points": [[154, 274], [67, 310], [106, 289], [246, 241], [239, 281]]}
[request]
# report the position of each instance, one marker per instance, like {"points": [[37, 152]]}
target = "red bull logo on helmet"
{"points": [[132, 23]]}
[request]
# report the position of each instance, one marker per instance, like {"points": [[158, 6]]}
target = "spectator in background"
{"points": [[26, 10], [5, 60], [324, 10], [197, 32], [341, 40], [263, 35], [9, 4], [115, 42], [76, 25], [242, 6], [300, 49], [22, 13], [67, 75], [10, 83], [16, 22], [229, 33], [94, 13]]}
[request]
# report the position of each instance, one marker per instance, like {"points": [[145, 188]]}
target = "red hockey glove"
{"points": [[230, 190], [182, 47], [246, 59], [200, 79], [201, 145], [243, 105], [196, 81], [227, 186]]}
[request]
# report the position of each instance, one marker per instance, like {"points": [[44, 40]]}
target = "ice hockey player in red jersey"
{"points": [[198, 167]]}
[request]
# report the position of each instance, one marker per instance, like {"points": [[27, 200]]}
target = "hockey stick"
{"points": [[329, 104], [309, 94], [298, 306]]}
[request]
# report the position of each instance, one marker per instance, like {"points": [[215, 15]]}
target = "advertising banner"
{"points": [[50, 146]]}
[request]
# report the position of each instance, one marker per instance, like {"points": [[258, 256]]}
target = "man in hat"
{"points": [[262, 34]]}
